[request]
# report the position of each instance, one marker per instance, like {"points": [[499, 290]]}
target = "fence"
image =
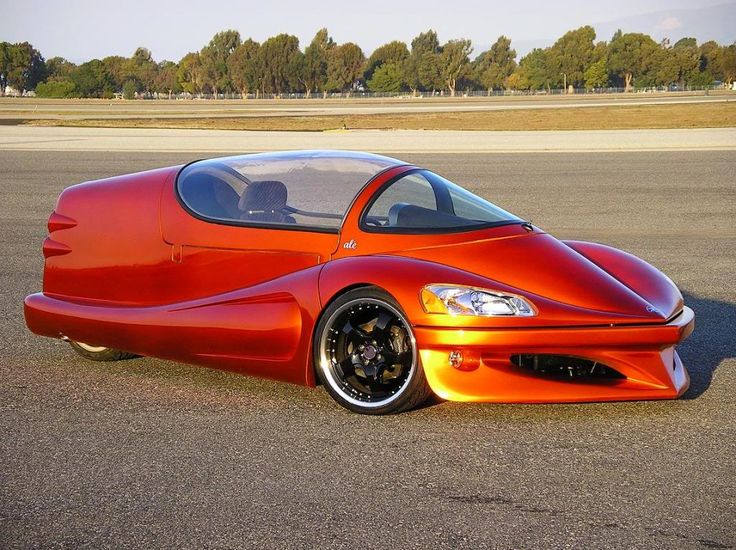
{"points": [[437, 93]]}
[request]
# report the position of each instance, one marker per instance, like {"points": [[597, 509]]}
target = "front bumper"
{"points": [[644, 354]]}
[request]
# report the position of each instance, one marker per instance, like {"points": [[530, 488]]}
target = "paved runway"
{"points": [[149, 453], [22, 138]]}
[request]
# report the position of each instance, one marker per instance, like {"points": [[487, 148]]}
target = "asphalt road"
{"points": [[149, 453]]}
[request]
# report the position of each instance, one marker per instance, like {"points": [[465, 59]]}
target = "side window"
{"points": [[465, 205], [412, 190], [423, 202]]}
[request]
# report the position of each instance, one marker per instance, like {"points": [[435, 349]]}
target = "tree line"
{"points": [[228, 64]]}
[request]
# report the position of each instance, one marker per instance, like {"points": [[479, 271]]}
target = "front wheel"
{"points": [[366, 355], [100, 353]]}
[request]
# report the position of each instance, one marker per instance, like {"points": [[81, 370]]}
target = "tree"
{"points": [[129, 90], [395, 53], [494, 66], [280, 59], [189, 74], [711, 59], [679, 64], [534, 71], [4, 66], [314, 69], [214, 58], [166, 81], [58, 67], [454, 62], [115, 65], [729, 64], [388, 77], [91, 80], [630, 56], [421, 70], [344, 67], [244, 67], [571, 55], [24, 66], [596, 75], [141, 69], [687, 42], [57, 87]]}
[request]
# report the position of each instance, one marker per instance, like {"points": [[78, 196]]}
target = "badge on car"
{"points": [[350, 245]]}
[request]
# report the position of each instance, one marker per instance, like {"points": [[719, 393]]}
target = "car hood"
{"points": [[537, 264]]}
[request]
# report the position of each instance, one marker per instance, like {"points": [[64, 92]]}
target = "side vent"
{"points": [[57, 222], [54, 248], [51, 247]]}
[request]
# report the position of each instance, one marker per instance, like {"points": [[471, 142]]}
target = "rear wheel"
{"points": [[100, 353], [366, 355]]}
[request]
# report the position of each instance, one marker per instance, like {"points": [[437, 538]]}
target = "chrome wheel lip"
{"points": [[327, 368], [90, 348]]}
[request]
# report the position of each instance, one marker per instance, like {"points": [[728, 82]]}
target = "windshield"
{"points": [[305, 189], [423, 202]]}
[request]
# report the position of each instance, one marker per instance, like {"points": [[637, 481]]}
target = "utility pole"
{"points": [[565, 87]]}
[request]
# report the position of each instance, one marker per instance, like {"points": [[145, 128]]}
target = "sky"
{"points": [[80, 30]]}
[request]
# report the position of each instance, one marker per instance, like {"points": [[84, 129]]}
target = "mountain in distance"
{"points": [[707, 23]]}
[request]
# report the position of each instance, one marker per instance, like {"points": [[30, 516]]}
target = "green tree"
{"points": [[24, 66], [115, 65], [58, 67], [396, 53], [91, 79], [534, 71], [344, 67], [596, 75], [454, 62], [166, 81], [57, 87], [214, 58], [4, 66], [678, 65], [141, 69], [244, 67], [388, 77], [281, 60], [631, 56], [570, 56], [711, 59], [129, 89], [189, 74], [687, 42], [314, 68], [494, 66], [422, 69], [729, 64]]}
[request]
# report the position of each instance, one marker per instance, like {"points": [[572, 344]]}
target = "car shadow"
{"points": [[712, 341]]}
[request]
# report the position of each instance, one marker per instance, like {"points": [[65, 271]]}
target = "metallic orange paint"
{"points": [[127, 267]]}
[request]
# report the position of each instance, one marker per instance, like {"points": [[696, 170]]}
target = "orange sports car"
{"points": [[382, 281]]}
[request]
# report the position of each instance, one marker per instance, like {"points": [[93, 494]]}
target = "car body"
{"points": [[267, 265]]}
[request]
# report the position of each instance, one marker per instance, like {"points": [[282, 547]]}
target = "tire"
{"points": [[365, 354], [100, 353]]}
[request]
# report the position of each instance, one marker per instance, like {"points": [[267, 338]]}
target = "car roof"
{"points": [[326, 161], [314, 188]]}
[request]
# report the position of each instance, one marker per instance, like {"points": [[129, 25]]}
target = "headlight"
{"points": [[465, 300]]}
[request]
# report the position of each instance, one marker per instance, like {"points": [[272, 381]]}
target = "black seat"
{"points": [[406, 215], [265, 201], [212, 197]]}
